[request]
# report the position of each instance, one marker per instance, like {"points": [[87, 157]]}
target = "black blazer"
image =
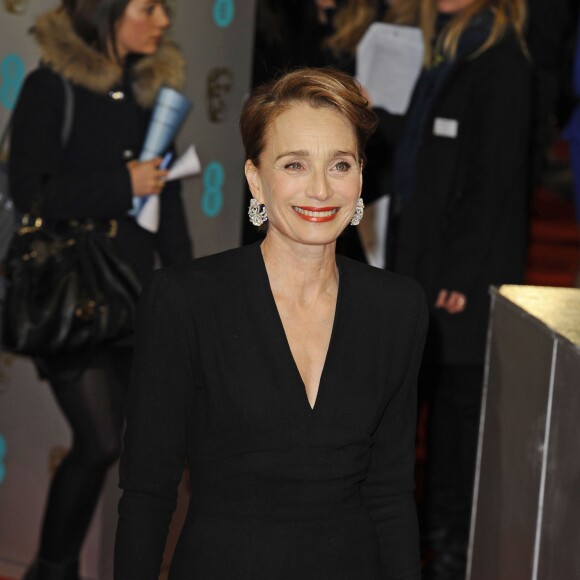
{"points": [[465, 227], [278, 489]]}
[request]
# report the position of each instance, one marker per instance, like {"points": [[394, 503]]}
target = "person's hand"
{"points": [[452, 302], [146, 177]]}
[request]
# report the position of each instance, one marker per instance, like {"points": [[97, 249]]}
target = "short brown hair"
{"points": [[318, 87]]}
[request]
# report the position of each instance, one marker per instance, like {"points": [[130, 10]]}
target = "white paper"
{"points": [[187, 165], [388, 62], [148, 217], [377, 256]]}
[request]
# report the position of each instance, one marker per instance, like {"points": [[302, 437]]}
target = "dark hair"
{"points": [[95, 20], [318, 87]]}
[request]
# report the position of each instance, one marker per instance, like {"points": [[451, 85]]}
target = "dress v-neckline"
{"points": [[284, 339]]}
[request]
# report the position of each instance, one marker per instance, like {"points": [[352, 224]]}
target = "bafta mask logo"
{"points": [[219, 84], [16, 6]]}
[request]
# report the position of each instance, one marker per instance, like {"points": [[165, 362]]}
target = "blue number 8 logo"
{"points": [[12, 71], [212, 198], [223, 12]]}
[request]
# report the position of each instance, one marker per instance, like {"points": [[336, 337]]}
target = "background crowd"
{"points": [[460, 206]]}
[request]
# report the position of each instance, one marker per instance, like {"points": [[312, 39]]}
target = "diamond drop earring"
{"points": [[358, 212], [258, 215]]}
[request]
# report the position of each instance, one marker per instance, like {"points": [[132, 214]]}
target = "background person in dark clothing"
{"points": [[115, 60], [550, 36], [461, 173]]}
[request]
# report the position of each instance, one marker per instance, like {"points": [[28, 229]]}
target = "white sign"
{"points": [[388, 63]]}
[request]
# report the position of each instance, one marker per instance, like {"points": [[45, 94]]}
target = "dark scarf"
{"points": [[428, 87]]}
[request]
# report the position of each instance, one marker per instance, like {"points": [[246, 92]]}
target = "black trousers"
{"points": [[454, 401], [92, 403]]}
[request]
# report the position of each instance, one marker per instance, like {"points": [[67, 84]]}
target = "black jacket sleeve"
{"points": [[388, 488], [494, 184], [159, 403]]}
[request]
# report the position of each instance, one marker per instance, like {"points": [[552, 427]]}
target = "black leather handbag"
{"points": [[68, 290], [8, 216]]}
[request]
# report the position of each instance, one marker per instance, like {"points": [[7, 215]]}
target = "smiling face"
{"points": [[309, 176], [141, 27]]}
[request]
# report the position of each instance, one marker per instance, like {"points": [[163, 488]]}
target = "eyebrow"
{"points": [[304, 153]]}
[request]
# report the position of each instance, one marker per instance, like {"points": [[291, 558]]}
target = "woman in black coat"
{"points": [[113, 56], [461, 177]]}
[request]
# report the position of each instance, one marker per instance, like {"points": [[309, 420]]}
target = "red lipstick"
{"points": [[316, 214]]}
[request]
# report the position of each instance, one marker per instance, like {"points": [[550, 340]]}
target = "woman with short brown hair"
{"points": [[282, 374]]}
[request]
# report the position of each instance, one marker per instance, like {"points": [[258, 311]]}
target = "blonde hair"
{"points": [[403, 12], [350, 23], [506, 13], [354, 17]]}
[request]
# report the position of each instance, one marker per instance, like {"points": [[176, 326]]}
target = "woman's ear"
{"points": [[253, 178]]}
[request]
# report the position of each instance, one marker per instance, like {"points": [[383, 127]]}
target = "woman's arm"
{"points": [[388, 488], [159, 403]]}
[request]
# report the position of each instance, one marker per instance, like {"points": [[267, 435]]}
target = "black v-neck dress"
{"points": [[279, 490]]}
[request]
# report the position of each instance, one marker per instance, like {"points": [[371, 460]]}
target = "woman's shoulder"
{"points": [[508, 52], [220, 267], [44, 79], [371, 282], [383, 299], [502, 69], [42, 90]]}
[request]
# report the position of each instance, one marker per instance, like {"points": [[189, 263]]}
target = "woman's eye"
{"points": [[342, 166], [294, 166]]}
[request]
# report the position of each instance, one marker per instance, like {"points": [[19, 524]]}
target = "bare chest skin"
{"points": [[308, 329]]}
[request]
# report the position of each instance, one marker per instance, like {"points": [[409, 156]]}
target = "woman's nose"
{"points": [[162, 19], [318, 187]]}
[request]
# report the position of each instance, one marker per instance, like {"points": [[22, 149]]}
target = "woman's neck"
{"points": [[298, 271]]}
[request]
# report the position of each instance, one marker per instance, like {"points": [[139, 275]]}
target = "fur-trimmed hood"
{"points": [[66, 53]]}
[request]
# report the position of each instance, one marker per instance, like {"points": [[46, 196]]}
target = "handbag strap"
{"points": [[5, 132], [69, 109]]}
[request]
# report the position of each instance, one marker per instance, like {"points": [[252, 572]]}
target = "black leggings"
{"points": [[93, 406]]}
